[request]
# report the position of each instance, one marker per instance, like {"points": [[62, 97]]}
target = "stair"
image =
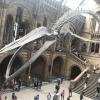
{"points": [[90, 91]]}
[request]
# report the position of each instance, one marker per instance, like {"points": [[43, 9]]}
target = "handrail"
{"points": [[83, 62], [74, 82]]}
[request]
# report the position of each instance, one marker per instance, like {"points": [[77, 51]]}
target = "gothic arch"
{"points": [[38, 68], [18, 62], [74, 71], [75, 44], [57, 66], [8, 29]]}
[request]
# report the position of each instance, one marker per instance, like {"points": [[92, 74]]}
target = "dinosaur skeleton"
{"points": [[74, 21]]}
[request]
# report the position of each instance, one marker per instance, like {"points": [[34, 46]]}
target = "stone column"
{"points": [[88, 48]]}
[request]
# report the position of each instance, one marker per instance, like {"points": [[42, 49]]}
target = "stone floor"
{"points": [[29, 93]]}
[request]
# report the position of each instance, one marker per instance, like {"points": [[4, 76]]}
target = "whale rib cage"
{"points": [[74, 20]]}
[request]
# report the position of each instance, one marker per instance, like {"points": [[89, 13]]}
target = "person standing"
{"points": [[62, 95], [62, 78], [0, 97], [68, 98], [94, 68], [56, 96], [57, 87], [88, 76], [5, 97], [82, 96], [19, 84], [85, 86], [14, 97], [70, 91], [49, 96], [36, 97], [99, 81]]}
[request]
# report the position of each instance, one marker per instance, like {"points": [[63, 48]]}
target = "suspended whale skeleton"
{"points": [[67, 18]]}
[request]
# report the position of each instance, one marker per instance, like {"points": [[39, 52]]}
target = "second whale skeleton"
{"points": [[73, 19]]}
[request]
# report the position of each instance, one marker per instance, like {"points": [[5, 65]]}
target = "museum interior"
{"points": [[50, 39]]}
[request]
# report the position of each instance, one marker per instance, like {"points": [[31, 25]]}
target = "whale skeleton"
{"points": [[74, 21]]}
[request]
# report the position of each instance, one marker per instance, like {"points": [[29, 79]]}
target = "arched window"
{"points": [[8, 29], [38, 25], [97, 48], [92, 47], [24, 28], [45, 22], [19, 15]]}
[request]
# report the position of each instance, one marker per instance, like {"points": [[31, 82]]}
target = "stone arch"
{"points": [[75, 44], [75, 71], [18, 62], [38, 68], [19, 4], [57, 66], [25, 14], [24, 28], [19, 15], [8, 29]]}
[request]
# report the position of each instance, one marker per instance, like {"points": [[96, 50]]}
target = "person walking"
{"points": [[49, 96], [62, 94]]}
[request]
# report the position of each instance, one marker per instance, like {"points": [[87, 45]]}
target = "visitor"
{"points": [[58, 81], [56, 96], [98, 71], [96, 97], [37, 85], [36, 97], [0, 97], [14, 97], [70, 91], [49, 96], [19, 84], [94, 68], [88, 76], [57, 87], [62, 78], [85, 86], [40, 84], [98, 89], [68, 98], [62, 95], [85, 75], [99, 81], [82, 96], [5, 97]]}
